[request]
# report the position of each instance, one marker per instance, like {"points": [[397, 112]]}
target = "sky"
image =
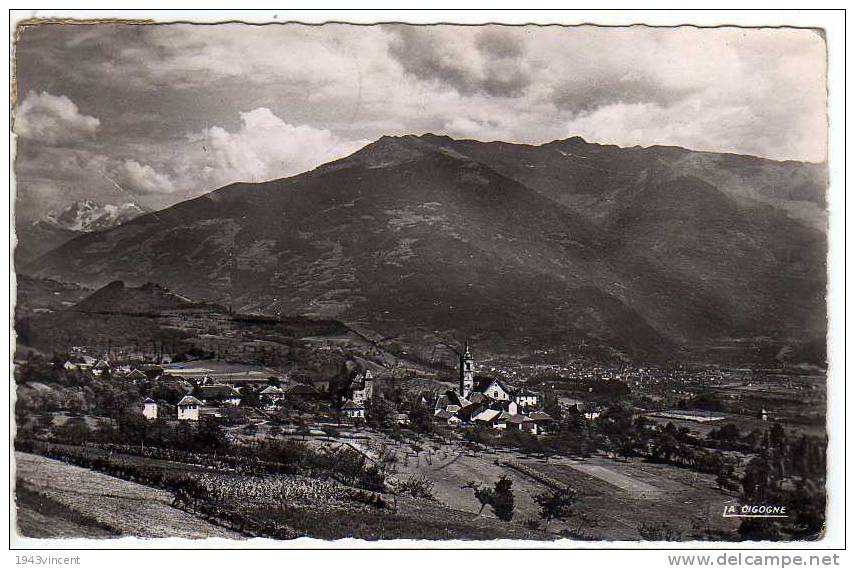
{"points": [[158, 114]]}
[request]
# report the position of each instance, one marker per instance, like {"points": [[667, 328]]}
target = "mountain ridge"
{"points": [[522, 246]]}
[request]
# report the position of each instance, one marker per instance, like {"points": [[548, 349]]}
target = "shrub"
{"points": [[417, 487]]}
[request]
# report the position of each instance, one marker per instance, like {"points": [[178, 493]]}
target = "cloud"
{"points": [[52, 177], [498, 44], [491, 62], [141, 178], [53, 120], [320, 92], [478, 129], [697, 125], [266, 147], [591, 91]]}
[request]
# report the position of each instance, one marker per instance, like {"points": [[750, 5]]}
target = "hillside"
{"points": [[633, 254], [46, 294], [120, 299], [35, 239]]}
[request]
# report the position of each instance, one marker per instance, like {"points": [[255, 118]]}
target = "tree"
{"points": [[44, 423], [757, 482], [707, 401], [665, 445], [132, 427], [74, 432], [728, 434], [556, 504], [550, 404], [778, 437], [616, 422], [725, 473], [380, 413], [210, 434], [421, 418], [250, 397], [500, 498], [503, 499], [36, 368]]}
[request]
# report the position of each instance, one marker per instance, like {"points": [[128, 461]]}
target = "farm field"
{"points": [[317, 508], [618, 495], [91, 504], [42, 517], [221, 371], [621, 495]]}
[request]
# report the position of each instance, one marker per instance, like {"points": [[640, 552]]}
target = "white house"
{"points": [[526, 399], [149, 408], [188, 408], [488, 416], [271, 395], [493, 389]]}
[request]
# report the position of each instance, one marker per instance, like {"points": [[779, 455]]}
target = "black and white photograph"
{"points": [[276, 281]]}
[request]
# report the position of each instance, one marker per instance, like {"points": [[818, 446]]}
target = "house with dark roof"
{"points": [[541, 422], [150, 370], [302, 391], [101, 367], [136, 375], [402, 419], [448, 417], [450, 401], [219, 394]]}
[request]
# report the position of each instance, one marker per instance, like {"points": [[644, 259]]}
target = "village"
{"points": [[477, 400]]}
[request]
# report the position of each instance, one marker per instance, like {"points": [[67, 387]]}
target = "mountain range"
{"points": [[634, 254], [40, 236]]}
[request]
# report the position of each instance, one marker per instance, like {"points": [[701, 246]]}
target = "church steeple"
{"points": [[467, 372]]}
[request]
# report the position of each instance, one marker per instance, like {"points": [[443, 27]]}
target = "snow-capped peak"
{"points": [[89, 215]]}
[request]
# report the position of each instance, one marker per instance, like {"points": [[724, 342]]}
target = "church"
{"points": [[490, 401]]}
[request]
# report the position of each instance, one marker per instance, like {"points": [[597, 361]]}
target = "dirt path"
{"points": [[109, 505]]}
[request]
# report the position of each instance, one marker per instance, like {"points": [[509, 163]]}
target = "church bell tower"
{"points": [[467, 373]]}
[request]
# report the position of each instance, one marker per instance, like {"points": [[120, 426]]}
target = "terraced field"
{"points": [[65, 501]]}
